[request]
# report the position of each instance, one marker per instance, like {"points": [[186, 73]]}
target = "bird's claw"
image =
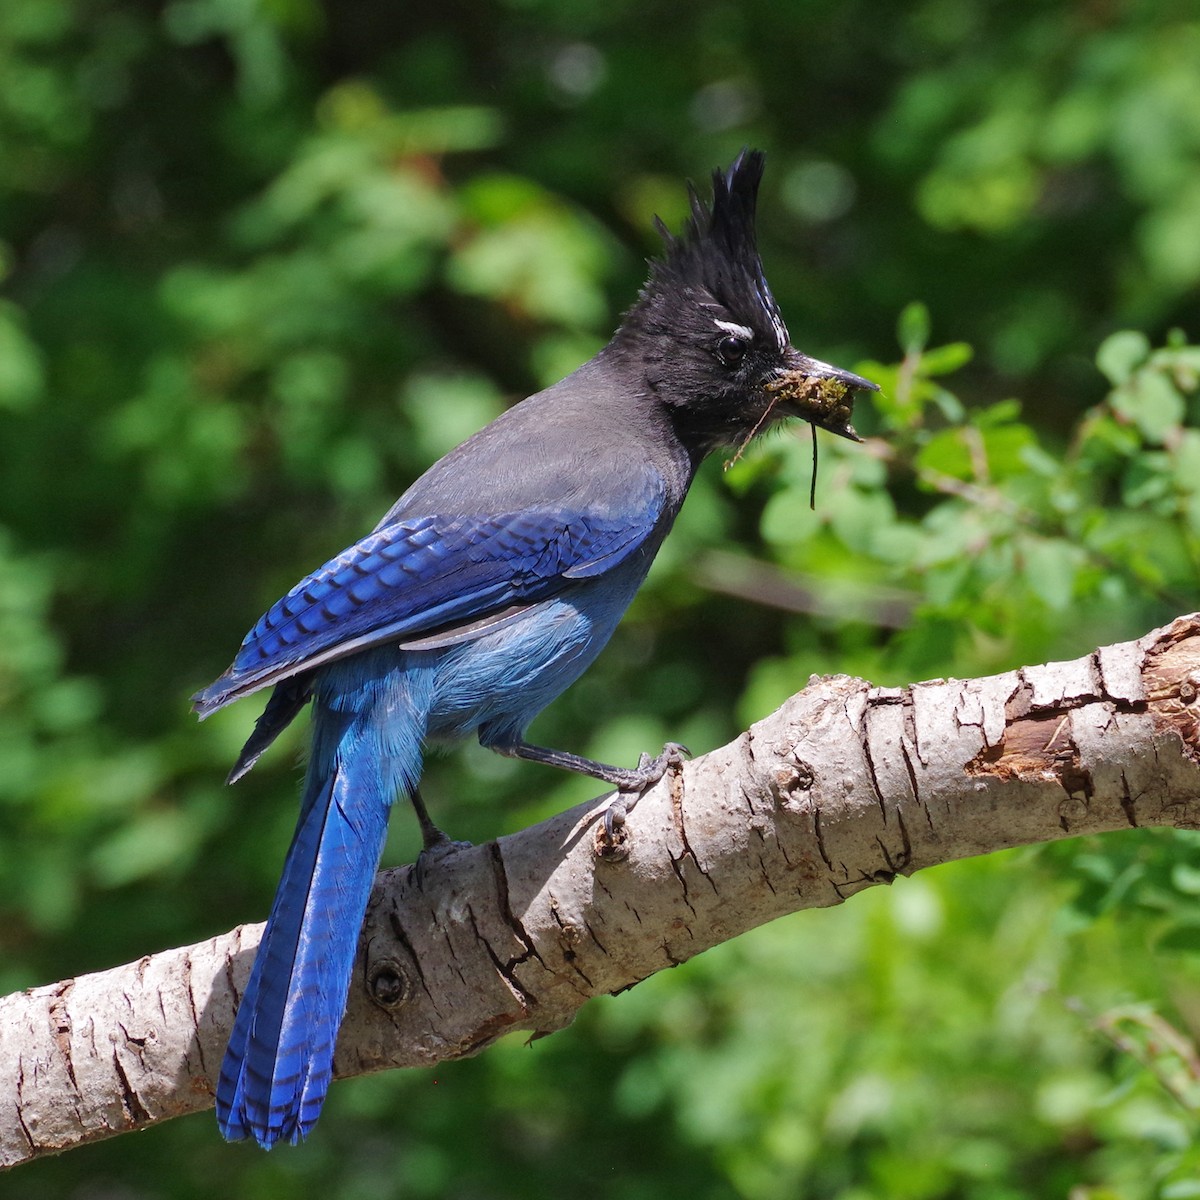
{"points": [[651, 769], [611, 837], [615, 813]]}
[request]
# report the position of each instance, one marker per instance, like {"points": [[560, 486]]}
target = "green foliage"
{"points": [[261, 262], [1009, 550]]}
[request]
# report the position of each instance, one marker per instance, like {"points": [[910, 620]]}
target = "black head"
{"points": [[708, 336]]}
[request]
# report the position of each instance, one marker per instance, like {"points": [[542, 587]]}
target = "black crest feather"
{"points": [[717, 253]]}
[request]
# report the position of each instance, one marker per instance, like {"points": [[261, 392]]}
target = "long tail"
{"points": [[280, 1057]]}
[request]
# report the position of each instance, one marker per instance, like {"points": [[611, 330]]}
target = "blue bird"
{"points": [[489, 587]]}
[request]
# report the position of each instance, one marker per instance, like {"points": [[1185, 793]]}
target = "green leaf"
{"points": [[1037, 460], [942, 360], [1003, 412], [1186, 878], [1004, 447], [1050, 567], [1121, 354], [787, 519], [1184, 936], [151, 843], [949, 405], [446, 409], [1181, 1189], [947, 454], [860, 518], [912, 327], [1152, 402], [1148, 479]]}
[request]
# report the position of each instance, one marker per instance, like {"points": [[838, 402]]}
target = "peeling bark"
{"points": [[845, 787]]}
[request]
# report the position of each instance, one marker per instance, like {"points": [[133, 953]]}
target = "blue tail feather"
{"points": [[280, 1057]]}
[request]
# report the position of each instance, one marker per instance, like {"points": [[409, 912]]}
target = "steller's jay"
{"points": [[489, 587]]}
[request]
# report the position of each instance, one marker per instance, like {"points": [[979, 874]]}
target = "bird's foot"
{"points": [[632, 781], [651, 770], [631, 788], [435, 852]]}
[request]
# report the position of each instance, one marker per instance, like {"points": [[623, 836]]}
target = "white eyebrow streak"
{"points": [[739, 330]]}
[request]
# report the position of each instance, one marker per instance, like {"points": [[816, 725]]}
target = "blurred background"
{"points": [[262, 261]]}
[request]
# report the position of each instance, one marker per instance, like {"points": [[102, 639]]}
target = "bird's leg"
{"points": [[625, 779], [630, 782], [434, 841]]}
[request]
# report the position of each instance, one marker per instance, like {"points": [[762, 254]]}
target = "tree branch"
{"points": [[846, 786]]}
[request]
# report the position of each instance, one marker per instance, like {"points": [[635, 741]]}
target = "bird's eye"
{"points": [[730, 350]]}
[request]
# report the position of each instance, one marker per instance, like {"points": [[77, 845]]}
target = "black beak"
{"points": [[819, 393]]}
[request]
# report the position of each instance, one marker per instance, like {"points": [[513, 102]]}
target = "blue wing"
{"points": [[423, 581]]}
